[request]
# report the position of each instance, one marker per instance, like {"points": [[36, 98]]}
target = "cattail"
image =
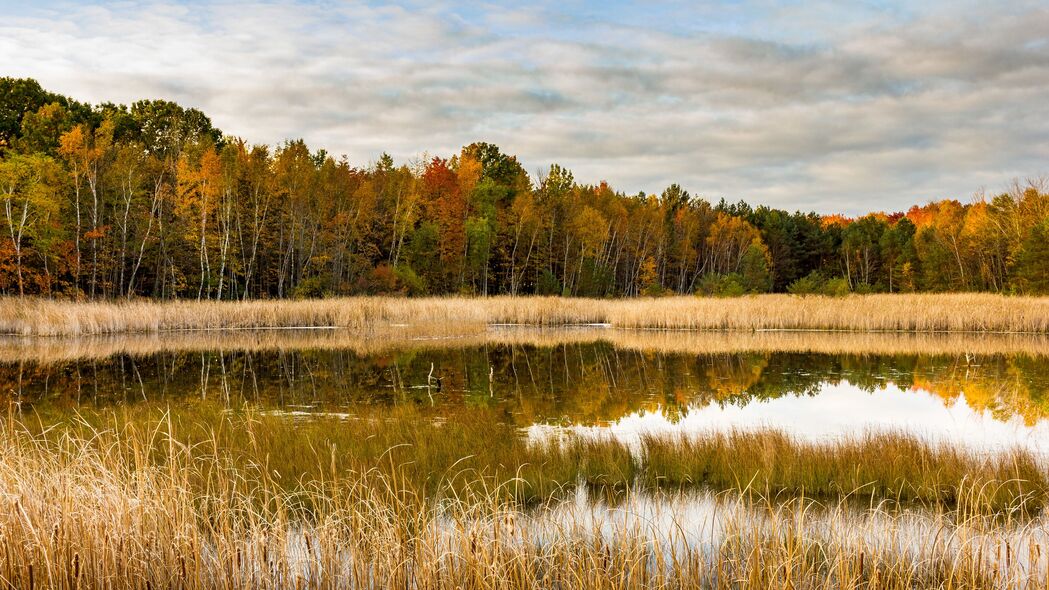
{"points": [[31, 583], [76, 568]]}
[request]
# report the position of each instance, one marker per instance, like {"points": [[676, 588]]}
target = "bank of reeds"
{"points": [[135, 508], [862, 313], [874, 466], [462, 448], [43, 351]]}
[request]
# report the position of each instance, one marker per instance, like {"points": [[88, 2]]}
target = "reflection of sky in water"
{"points": [[837, 411], [679, 524]]}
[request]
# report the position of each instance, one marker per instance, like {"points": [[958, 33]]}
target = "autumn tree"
{"points": [[29, 189], [149, 199]]}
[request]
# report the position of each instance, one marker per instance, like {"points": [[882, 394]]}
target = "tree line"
{"points": [[151, 200]]}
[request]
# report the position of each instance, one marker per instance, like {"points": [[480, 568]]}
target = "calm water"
{"points": [[548, 386], [987, 402]]}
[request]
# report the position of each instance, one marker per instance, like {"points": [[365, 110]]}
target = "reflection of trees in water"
{"points": [[588, 383]]}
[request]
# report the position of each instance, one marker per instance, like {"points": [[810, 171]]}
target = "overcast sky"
{"points": [[826, 106]]}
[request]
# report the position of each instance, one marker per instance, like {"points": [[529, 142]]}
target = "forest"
{"points": [[114, 201]]}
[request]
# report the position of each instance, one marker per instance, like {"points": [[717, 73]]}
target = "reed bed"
{"points": [[462, 449], [139, 508], [877, 466], [966, 312], [66, 349]]}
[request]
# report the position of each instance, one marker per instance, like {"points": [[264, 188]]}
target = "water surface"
{"points": [[560, 381]]}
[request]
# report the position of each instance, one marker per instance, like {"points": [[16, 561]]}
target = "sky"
{"points": [[827, 106]]}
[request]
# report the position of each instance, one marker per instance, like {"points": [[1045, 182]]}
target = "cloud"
{"points": [[799, 106]]}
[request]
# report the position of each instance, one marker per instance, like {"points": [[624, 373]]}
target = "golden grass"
{"points": [[890, 313], [879, 466], [137, 508], [435, 452], [63, 349]]}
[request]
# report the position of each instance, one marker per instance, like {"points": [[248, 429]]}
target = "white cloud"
{"points": [[805, 107]]}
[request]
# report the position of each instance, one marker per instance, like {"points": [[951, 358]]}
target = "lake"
{"points": [[853, 441], [550, 382]]}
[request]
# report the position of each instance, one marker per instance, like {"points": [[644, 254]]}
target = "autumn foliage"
{"points": [[151, 200]]}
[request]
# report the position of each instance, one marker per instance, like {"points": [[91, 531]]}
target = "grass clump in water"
{"points": [[474, 447], [882, 466]]}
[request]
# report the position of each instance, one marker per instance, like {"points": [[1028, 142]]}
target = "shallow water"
{"points": [[602, 383], [837, 410], [988, 401]]}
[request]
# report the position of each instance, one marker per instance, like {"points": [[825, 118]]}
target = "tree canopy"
{"points": [[152, 200]]}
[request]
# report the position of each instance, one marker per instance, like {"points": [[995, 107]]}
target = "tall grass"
{"points": [[875, 466], [903, 313], [462, 449], [380, 340], [137, 508]]}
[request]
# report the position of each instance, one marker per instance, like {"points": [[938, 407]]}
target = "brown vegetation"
{"points": [[469, 445], [144, 506], [61, 349], [924, 313]]}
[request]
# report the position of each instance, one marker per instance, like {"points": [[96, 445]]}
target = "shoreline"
{"points": [[62, 349], [974, 313]]}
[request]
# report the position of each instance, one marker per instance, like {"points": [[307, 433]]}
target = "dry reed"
{"points": [[135, 509], [966, 312], [21, 349], [432, 453], [879, 466]]}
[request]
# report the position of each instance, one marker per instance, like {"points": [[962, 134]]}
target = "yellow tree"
{"points": [[527, 222], [73, 149], [590, 229], [199, 185], [983, 244], [87, 154], [28, 187], [730, 238], [468, 172]]}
